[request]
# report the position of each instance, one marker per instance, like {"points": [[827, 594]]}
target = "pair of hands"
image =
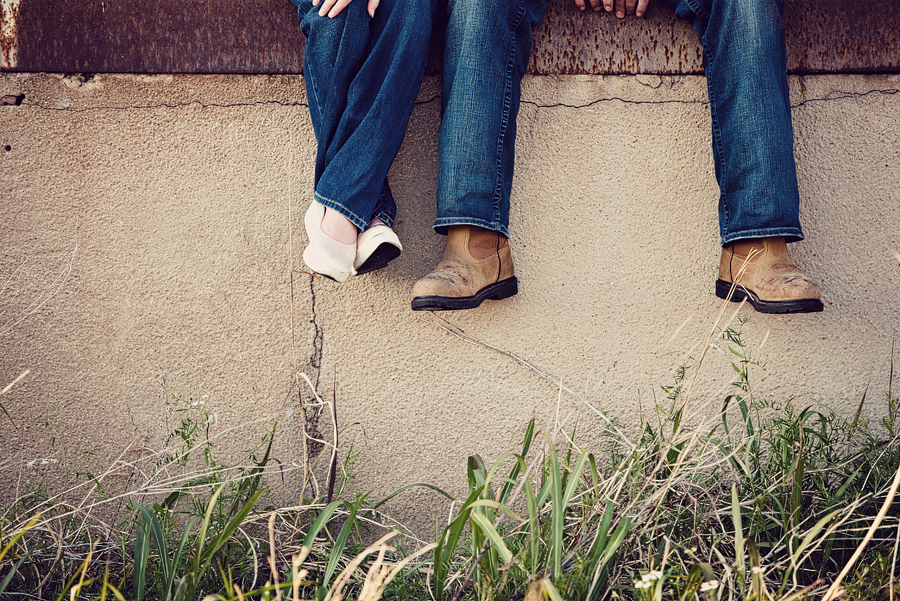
{"points": [[622, 7]]}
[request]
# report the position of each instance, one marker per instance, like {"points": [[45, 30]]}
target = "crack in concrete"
{"points": [[315, 360], [165, 105], [834, 96], [312, 414], [843, 95], [831, 97], [611, 99], [202, 105]]}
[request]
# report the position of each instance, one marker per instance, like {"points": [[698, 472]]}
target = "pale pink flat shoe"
{"points": [[325, 255]]}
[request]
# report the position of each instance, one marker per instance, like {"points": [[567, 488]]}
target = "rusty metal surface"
{"points": [[9, 29], [159, 36], [263, 36], [569, 41]]}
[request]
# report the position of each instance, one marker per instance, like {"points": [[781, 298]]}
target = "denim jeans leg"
{"points": [[486, 54], [362, 77], [746, 72]]}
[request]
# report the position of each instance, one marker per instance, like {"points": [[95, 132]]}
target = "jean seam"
{"points": [[717, 141], [333, 204], [697, 9], [445, 222], [792, 232], [507, 103]]}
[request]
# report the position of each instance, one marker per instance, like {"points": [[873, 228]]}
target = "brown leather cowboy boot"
{"points": [[770, 281], [477, 265]]}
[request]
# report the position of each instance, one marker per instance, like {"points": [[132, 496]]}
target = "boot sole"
{"points": [[800, 305], [384, 254], [496, 291]]}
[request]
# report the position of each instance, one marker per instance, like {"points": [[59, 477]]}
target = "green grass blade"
{"points": [[796, 556], [204, 528], [615, 541], [534, 521], [223, 536], [517, 468], [176, 559], [574, 480], [600, 538], [557, 513], [493, 536], [181, 593], [738, 532], [338, 548], [495, 505], [78, 573], [141, 555], [446, 545], [551, 591], [155, 529], [16, 538], [409, 486], [320, 522], [14, 570]]}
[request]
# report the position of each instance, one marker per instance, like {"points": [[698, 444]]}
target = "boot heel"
{"points": [[505, 289]]}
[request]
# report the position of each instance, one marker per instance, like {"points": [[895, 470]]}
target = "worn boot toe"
{"points": [[762, 273], [461, 281]]}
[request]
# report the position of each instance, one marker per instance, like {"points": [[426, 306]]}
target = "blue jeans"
{"points": [[488, 46], [752, 135], [486, 53], [362, 77]]}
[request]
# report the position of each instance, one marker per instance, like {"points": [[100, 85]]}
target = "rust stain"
{"points": [[263, 36], [9, 33]]}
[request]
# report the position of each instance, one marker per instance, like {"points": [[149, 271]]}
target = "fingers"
{"points": [[627, 7], [595, 4], [373, 4], [621, 7], [332, 8]]}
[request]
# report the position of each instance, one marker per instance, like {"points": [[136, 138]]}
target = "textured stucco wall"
{"points": [[184, 196]]}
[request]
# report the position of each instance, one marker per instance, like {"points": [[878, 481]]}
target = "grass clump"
{"points": [[185, 526], [767, 502], [760, 502]]}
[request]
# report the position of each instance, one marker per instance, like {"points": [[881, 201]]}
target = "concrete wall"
{"points": [[156, 221]]}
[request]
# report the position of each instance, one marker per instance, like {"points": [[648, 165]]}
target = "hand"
{"points": [[333, 8], [622, 7]]}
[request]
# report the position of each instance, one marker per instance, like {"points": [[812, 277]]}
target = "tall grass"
{"points": [[765, 501], [768, 502]]}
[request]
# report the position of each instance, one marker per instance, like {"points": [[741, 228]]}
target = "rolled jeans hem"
{"points": [[441, 225], [355, 219], [791, 234]]}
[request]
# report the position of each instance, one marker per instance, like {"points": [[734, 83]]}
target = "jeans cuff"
{"points": [[385, 217], [442, 224], [791, 234], [355, 219]]}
